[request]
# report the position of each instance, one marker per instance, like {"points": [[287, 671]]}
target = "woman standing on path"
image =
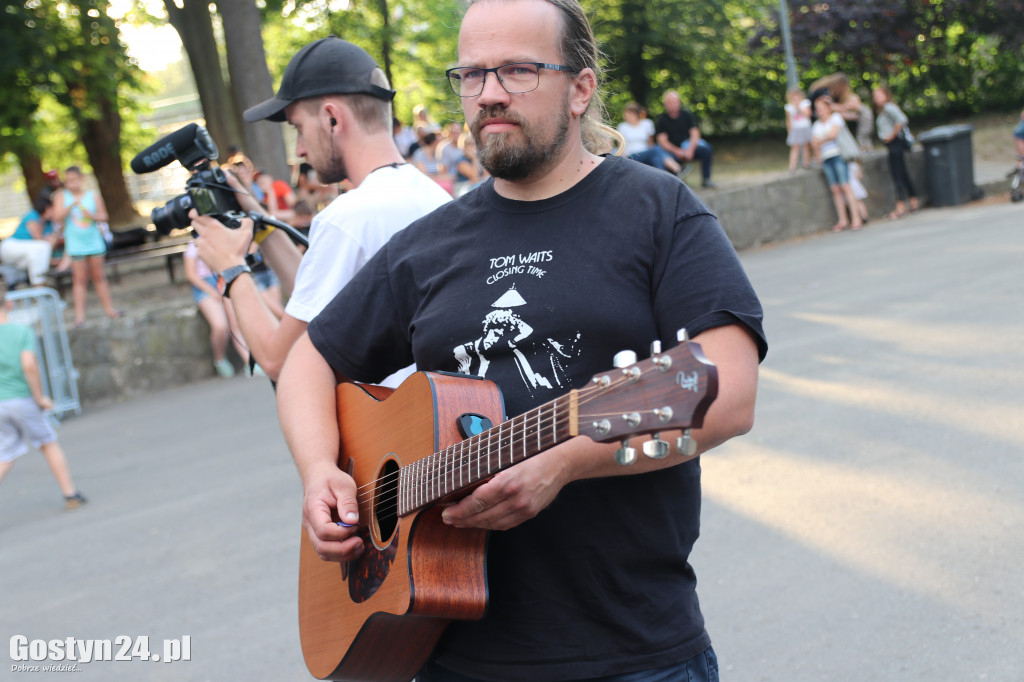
{"points": [[81, 211], [891, 124]]}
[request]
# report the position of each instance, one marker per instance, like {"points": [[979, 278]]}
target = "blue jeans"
{"points": [[702, 154], [652, 156], [701, 668], [836, 171]]}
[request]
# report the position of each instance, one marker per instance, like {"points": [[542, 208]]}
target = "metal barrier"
{"points": [[42, 309]]}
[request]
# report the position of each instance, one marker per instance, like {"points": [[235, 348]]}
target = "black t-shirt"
{"points": [[678, 128], [538, 297]]}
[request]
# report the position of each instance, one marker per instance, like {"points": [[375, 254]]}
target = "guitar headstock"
{"points": [[670, 390]]}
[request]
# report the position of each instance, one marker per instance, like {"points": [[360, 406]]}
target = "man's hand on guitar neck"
{"points": [[521, 492], [514, 495]]}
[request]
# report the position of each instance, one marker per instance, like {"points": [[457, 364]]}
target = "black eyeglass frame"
{"points": [[494, 70]]}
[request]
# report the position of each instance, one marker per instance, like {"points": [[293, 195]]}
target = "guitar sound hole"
{"points": [[385, 501]]}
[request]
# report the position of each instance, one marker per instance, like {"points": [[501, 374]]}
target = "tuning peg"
{"points": [[625, 455], [682, 335], [686, 445], [656, 448], [655, 347], [624, 358]]}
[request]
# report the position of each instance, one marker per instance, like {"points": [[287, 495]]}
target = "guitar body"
{"points": [[378, 619]]}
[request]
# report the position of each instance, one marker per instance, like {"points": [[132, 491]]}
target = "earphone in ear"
{"points": [[334, 122]]}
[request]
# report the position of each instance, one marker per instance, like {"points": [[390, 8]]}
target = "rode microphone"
{"points": [[191, 145]]}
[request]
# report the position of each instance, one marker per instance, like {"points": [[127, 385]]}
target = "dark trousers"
{"points": [[703, 154], [701, 668], [898, 168]]}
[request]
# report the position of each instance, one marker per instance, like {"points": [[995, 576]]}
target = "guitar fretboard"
{"points": [[479, 457]]}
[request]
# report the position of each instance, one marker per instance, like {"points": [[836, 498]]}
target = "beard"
{"points": [[332, 169], [506, 159]]}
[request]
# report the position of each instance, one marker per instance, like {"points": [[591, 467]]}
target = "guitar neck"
{"points": [[670, 390], [475, 459]]}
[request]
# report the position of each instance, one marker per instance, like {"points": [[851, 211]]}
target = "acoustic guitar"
{"points": [[430, 442]]}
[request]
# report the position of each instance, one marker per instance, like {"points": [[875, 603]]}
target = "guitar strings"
{"points": [[504, 434], [433, 478]]}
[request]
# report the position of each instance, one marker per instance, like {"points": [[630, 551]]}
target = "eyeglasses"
{"points": [[468, 81]]}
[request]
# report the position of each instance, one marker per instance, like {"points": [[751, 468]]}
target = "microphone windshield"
{"points": [[191, 145]]}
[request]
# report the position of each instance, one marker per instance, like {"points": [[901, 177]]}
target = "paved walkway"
{"points": [[868, 528]]}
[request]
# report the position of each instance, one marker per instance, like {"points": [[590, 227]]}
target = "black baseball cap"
{"points": [[329, 66]]}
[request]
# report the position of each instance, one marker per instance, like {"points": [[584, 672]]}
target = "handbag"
{"points": [[848, 148], [905, 138]]}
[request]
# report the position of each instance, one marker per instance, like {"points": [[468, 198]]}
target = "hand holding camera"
{"points": [[211, 194], [221, 249]]}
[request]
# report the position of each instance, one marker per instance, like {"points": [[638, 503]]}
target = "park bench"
{"points": [[170, 249]]}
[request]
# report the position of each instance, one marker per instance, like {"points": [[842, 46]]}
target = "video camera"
{"points": [[207, 190]]}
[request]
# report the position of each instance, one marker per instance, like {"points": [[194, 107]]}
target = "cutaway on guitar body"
{"points": [[378, 618]]}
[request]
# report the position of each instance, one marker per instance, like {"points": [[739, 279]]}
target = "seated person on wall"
{"points": [[31, 244], [678, 134], [638, 132]]}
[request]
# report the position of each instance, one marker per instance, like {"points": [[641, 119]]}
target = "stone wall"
{"points": [[141, 353], [801, 203]]}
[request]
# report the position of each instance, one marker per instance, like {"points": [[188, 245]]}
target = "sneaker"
{"points": [[708, 184], [224, 368], [684, 171], [74, 501]]}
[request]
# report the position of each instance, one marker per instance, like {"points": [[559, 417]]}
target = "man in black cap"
{"points": [[339, 102]]}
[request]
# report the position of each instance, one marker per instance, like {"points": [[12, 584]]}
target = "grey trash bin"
{"points": [[949, 164]]}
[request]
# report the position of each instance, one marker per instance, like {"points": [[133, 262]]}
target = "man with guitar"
{"points": [[533, 281]]}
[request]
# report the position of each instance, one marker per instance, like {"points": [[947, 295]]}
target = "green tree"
{"points": [[24, 71], [694, 46], [194, 25], [92, 76], [938, 56]]}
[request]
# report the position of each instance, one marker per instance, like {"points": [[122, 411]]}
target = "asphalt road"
{"points": [[869, 527]]}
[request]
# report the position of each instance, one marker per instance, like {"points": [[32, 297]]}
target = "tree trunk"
{"points": [[251, 83], [385, 47], [637, 28], [195, 28], [32, 171], [102, 140]]}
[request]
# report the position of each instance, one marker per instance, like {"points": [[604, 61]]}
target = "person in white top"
{"points": [[339, 102], [798, 128], [638, 133], [823, 139]]}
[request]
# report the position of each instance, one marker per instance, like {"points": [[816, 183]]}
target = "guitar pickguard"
{"points": [[368, 572]]}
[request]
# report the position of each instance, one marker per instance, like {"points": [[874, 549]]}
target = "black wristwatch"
{"points": [[230, 275]]}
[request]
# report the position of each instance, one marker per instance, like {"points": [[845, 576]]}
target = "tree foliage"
{"points": [[70, 51], [63, 67], [937, 55], [414, 41]]}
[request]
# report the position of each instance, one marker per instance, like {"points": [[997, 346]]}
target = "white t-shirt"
{"points": [[346, 234], [822, 129], [638, 137], [799, 116]]}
